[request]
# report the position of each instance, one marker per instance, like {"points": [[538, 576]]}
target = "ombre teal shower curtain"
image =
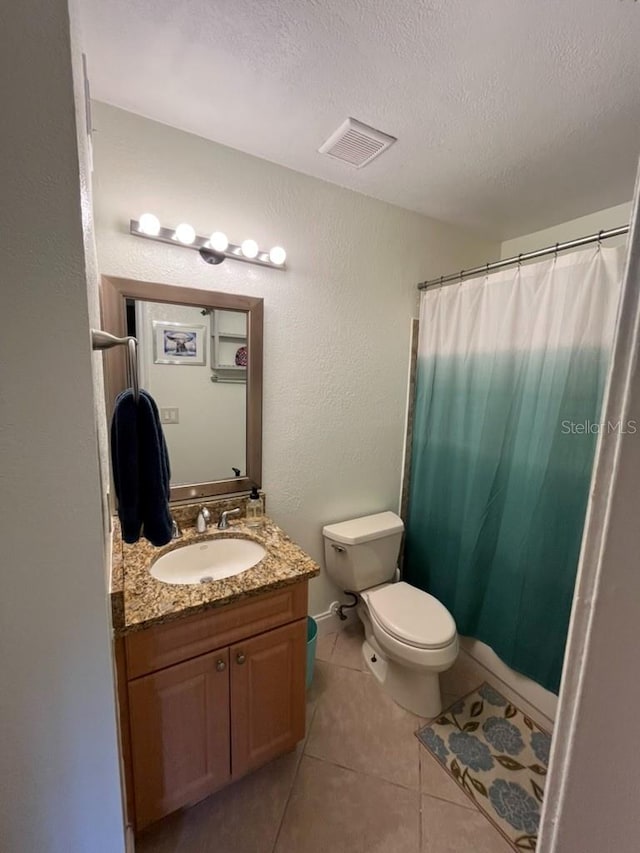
{"points": [[511, 374]]}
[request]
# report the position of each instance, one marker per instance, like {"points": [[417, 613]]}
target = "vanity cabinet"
{"points": [[267, 714], [210, 698], [180, 728]]}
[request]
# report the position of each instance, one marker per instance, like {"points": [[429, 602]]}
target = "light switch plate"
{"points": [[169, 415]]}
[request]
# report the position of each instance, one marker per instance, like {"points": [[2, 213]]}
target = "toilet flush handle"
{"points": [[338, 548]]}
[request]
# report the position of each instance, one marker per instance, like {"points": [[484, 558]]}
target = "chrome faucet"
{"points": [[223, 522], [202, 522]]}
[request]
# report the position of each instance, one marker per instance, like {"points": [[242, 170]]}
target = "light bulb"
{"points": [[185, 233], [249, 248], [149, 224], [219, 241], [277, 255]]}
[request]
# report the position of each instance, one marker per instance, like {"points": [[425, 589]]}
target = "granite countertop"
{"points": [[139, 601]]}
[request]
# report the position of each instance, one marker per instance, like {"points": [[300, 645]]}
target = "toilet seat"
{"points": [[411, 616]]}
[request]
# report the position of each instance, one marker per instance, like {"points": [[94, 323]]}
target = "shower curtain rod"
{"points": [[524, 256]]}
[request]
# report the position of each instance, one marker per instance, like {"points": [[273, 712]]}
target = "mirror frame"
{"points": [[113, 295]]}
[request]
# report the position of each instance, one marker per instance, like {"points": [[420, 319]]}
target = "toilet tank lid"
{"points": [[364, 529]]}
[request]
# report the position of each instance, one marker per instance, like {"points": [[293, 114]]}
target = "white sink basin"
{"points": [[211, 560]]}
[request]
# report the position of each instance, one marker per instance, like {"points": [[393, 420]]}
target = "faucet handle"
{"points": [[176, 533], [203, 519], [223, 523]]}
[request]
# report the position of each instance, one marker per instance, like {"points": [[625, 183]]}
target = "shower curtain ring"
{"points": [[461, 274], [555, 254], [600, 233], [519, 260]]}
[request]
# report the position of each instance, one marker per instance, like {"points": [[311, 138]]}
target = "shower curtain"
{"points": [[511, 374]]}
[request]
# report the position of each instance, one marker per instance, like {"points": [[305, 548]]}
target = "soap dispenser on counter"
{"points": [[255, 509]]}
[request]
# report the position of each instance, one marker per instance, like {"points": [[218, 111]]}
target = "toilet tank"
{"points": [[363, 552]]}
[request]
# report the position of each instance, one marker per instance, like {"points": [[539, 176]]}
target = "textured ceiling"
{"points": [[510, 116]]}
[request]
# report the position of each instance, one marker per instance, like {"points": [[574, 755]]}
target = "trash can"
{"points": [[312, 636]]}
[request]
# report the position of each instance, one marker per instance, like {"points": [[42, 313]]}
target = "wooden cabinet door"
{"points": [[267, 695], [180, 734]]}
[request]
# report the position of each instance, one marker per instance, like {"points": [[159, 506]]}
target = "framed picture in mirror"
{"points": [[178, 343]]}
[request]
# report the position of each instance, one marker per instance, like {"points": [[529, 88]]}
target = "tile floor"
{"points": [[359, 783]]}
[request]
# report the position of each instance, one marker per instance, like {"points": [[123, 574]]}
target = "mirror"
{"points": [[200, 358]]}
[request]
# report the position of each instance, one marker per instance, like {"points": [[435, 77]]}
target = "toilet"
{"points": [[410, 637]]}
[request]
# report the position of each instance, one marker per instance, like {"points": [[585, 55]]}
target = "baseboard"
{"points": [[329, 622], [532, 692]]}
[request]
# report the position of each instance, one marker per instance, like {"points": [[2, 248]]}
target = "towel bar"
{"points": [[103, 340]]}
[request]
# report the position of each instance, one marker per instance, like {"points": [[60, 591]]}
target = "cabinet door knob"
{"points": [[240, 658], [221, 665]]}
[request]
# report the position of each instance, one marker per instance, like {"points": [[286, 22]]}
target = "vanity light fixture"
{"points": [[277, 255], [185, 233], [249, 249], [219, 241], [213, 249], [149, 225]]}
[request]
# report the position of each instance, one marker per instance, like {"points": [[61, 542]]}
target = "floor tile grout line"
{"points": [[415, 791], [470, 808], [361, 772], [286, 803], [418, 721], [346, 666], [293, 780], [333, 645], [424, 753]]}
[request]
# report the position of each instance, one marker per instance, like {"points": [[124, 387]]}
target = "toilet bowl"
{"points": [[410, 637]]}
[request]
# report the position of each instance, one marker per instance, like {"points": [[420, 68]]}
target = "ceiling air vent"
{"points": [[356, 143]]}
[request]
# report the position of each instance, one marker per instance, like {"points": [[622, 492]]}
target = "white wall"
{"points": [[60, 774], [610, 217], [336, 322], [210, 437], [591, 801]]}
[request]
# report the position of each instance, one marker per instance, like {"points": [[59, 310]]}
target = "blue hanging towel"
{"points": [[155, 473], [124, 463], [141, 471]]}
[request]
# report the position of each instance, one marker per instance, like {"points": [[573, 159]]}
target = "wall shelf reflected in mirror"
{"points": [[228, 346], [200, 358]]}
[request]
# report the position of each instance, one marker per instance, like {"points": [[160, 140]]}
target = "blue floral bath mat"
{"points": [[498, 756]]}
